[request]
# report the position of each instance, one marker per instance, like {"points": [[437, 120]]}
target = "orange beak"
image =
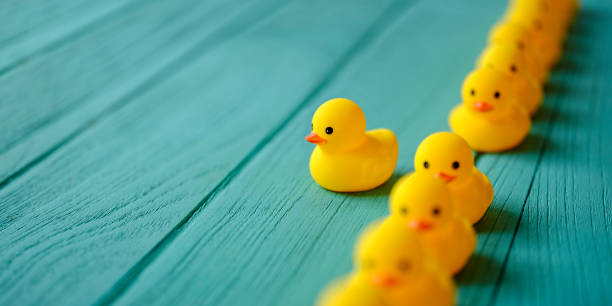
{"points": [[384, 281], [445, 177], [483, 106], [419, 225], [316, 139]]}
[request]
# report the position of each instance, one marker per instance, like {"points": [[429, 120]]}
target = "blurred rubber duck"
{"points": [[489, 118], [424, 204], [353, 290], [508, 59], [393, 259], [546, 32], [512, 33], [528, 11], [347, 158], [561, 10], [448, 157]]}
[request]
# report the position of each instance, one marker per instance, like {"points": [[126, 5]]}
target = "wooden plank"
{"points": [[19, 49], [512, 174], [84, 80], [272, 236], [23, 17], [75, 224], [562, 251]]}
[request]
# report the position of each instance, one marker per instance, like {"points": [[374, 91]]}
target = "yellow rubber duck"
{"points": [[347, 158], [489, 118], [392, 258], [448, 157], [508, 59], [424, 204], [515, 34], [546, 33], [552, 16], [561, 10], [354, 290]]}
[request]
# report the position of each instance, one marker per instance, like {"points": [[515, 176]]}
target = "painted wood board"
{"points": [[562, 249], [20, 48], [88, 78], [513, 173], [83, 195], [139, 174], [272, 236]]}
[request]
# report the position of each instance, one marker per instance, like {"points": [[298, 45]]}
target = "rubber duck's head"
{"points": [[421, 202], [389, 255], [507, 58], [512, 33], [487, 91], [538, 17], [445, 156], [338, 124]]}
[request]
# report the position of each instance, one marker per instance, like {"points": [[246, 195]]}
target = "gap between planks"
{"points": [[385, 20], [182, 61], [66, 37]]}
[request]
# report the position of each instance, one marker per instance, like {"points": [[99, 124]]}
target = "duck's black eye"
{"points": [[426, 164], [436, 211], [403, 265], [404, 210], [455, 165], [472, 92], [513, 68], [496, 95], [538, 24], [329, 130], [520, 45], [312, 126]]}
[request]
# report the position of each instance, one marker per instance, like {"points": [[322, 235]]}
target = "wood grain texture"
{"points": [[24, 17], [562, 250], [513, 175], [19, 48], [155, 151], [73, 225], [272, 236], [91, 76]]}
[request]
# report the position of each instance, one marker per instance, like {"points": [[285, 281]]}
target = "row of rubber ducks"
{"points": [[409, 258]]}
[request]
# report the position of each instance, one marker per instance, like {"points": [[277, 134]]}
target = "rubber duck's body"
{"points": [[347, 158], [423, 203], [509, 60], [393, 259], [447, 157], [354, 290], [489, 118]]}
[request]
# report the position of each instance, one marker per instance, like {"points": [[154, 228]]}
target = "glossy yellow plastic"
{"points": [[423, 203], [515, 34], [552, 15], [561, 10], [351, 291], [447, 157], [508, 59], [489, 118], [392, 258], [546, 32], [347, 158]]}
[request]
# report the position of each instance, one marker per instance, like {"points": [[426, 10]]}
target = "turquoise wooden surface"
{"points": [[153, 152]]}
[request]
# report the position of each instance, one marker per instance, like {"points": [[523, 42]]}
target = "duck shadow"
{"points": [[548, 113], [496, 220], [480, 269]]}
